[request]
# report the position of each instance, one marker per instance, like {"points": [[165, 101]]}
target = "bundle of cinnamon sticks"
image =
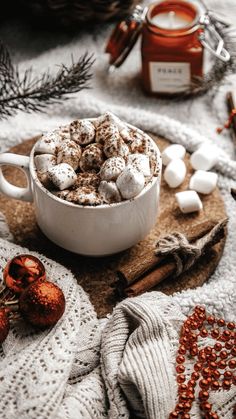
{"points": [[136, 278]]}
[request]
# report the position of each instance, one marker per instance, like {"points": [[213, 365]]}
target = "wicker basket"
{"points": [[70, 13]]}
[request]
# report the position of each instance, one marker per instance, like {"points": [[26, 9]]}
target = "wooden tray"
{"points": [[97, 275]]}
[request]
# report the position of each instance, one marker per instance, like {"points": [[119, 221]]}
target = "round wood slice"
{"points": [[97, 275]]}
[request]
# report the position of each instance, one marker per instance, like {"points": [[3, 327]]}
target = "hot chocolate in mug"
{"points": [[88, 230]]}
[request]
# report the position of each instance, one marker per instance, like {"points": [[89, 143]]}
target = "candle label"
{"points": [[168, 77]]}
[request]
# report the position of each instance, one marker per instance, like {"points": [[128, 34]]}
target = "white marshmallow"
{"points": [[48, 143], [111, 119], [175, 173], [44, 161], [109, 192], [92, 158], [106, 131], [130, 182], [111, 168], [188, 201], [205, 157], [69, 152], [203, 182], [174, 151], [62, 176], [140, 162], [82, 132], [115, 146]]}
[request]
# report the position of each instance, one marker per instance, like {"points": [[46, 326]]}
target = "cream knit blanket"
{"points": [[59, 374]]}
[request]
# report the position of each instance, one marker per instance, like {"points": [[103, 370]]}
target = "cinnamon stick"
{"points": [[231, 105], [164, 270], [132, 270]]}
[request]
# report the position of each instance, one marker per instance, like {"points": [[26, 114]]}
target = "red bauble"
{"points": [[42, 304], [21, 271], [4, 325]]}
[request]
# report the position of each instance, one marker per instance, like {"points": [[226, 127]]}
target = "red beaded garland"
{"points": [[213, 365]]}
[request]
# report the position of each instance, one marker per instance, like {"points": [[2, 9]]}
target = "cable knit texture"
{"points": [[56, 374]]}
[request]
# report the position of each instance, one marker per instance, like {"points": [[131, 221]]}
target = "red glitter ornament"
{"points": [[21, 271], [42, 304], [4, 324]]}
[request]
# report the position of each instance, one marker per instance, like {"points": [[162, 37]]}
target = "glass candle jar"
{"points": [[173, 41], [172, 54]]}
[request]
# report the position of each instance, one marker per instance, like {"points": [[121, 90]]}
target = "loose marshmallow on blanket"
{"points": [[130, 182], [92, 158], [115, 147], [62, 175], [174, 151], [44, 161], [82, 132], [203, 182], [140, 162], [205, 157], [175, 173], [109, 192], [48, 143], [188, 201], [69, 152], [111, 168]]}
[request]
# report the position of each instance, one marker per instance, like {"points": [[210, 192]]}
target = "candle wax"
{"points": [[171, 20]]}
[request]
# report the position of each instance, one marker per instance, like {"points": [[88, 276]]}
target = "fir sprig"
{"points": [[32, 94]]}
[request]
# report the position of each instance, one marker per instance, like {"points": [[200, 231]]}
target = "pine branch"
{"points": [[32, 94]]}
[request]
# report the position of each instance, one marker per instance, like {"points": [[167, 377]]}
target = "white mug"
{"points": [[93, 231]]}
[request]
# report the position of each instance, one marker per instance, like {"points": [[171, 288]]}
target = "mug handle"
{"points": [[22, 162]]}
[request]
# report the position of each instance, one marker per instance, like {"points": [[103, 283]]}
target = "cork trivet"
{"points": [[97, 275]]}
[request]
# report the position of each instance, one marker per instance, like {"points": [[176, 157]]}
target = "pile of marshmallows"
{"points": [[202, 181], [92, 162]]}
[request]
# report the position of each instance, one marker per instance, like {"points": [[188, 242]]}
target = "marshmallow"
{"points": [[48, 143], [139, 142], [110, 119], [203, 182], [175, 173], [115, 146], [86, 195], [87, 179], [140, 162], [111, 168], [82, 132], [44, 161], [62, 176], [130, 182], [109, 192], [174, 151], [105, 132], [69, 152], [92, 158], [188, 201], [205, 157], [64, 132]]}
